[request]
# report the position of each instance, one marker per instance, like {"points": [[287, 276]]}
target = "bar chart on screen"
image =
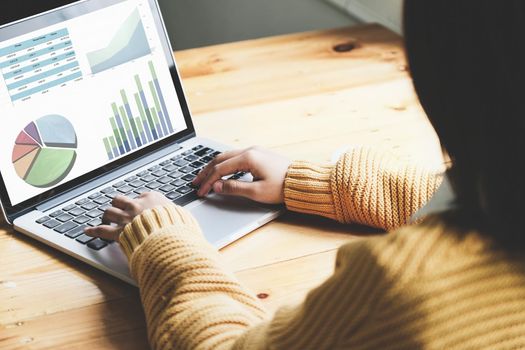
{"points": [[138, 118]]}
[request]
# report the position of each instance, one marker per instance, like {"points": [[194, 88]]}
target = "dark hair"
{"points": [[467, 60]]}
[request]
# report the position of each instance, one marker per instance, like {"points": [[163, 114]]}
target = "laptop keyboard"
{"points": [[171, 177]]}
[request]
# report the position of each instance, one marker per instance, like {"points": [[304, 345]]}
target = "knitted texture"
{"points": [[423, 286], [364, 187]]}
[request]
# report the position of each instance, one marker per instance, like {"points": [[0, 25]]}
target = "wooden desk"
{"points": [[294, 94]]}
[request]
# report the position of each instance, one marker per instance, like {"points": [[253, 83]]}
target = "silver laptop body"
{"points": [[94, 107]]}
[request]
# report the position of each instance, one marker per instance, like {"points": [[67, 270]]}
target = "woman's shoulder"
{"points": [[428, 248]]}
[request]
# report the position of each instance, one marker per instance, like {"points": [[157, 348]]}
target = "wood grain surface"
{"points": [[304, 95]]}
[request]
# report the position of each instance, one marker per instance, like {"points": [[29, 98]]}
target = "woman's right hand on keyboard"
{"points": [[267, 168]]}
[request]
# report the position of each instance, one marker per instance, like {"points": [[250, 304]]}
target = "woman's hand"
{"points": [[123, 211], [268, 170]]}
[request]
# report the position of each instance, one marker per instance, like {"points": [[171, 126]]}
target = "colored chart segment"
{"points": [[45, 151], [129, 43]]}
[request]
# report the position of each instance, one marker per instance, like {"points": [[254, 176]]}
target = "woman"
{"points": [[454, 280]]}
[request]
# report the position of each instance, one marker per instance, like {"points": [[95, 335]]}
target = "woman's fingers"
{"points": [[116, 216], [104, 231], [227, 167], [250, 190], [217, 160]]}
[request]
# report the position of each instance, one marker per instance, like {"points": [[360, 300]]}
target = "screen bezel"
{"points": [[67, 12]]}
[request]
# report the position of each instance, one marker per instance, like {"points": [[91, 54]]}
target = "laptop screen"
{"points": [[81, 93]]}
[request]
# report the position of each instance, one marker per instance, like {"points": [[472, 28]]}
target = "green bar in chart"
{"points": [[108, 148], [145, 123], [144, 103], [113, 146], [157, 105], [117, 135], [127, 126], [135, 135], [121, 127]]}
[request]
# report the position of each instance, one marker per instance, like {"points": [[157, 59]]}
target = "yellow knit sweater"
{"points": [[422, 286]]}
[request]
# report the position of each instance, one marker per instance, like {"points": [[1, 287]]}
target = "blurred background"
{"points": [[196, 23]]}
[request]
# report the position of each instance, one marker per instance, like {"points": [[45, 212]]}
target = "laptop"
{"points": [[93, 107]]}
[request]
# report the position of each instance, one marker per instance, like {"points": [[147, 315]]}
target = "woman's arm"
{"points": [[191, 302], [364, 187]]}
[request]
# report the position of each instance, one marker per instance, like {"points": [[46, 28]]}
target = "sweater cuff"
{"points": [[307, 189], [136, 232]]}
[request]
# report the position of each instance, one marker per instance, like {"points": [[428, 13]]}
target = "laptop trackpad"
{"points": [[225, 219]]}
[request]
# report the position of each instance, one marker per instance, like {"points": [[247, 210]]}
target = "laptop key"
{"points": [[173, 195], [95, 195], [77, 212], [56, 213], [97, 244], [142, 190], [196, 148], [160, 173], [82, 201], [137, 183], [178, 183], [64, 217], [176, 158], [180, 163], [175, 174], [95, 222], [215, 154], [191, 158], [131, 178], [125, 189], [197, 165], [95, 213], [187, 152], [102, 200], [186, 199], [119, 184], [81, 219], [167, 188], [89, 206], [164, 180], [143, 173], [187, 169], [184, 190], [206, 159], [203, 152], [149, 178], [65, 227], [84, 239], [170, 168], [153, 185], [154, 168], [69, 207], [188, 178], [112, 195], [132, 195], [76, 232], [52, 223], [196, 172], [43, 219], [166, 162], [107, 190]]}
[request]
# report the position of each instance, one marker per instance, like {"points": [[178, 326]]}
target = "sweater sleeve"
{"points": [[191, 302], [364, 187]]}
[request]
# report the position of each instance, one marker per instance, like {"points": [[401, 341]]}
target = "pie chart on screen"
{"points": [[45, 151]]}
